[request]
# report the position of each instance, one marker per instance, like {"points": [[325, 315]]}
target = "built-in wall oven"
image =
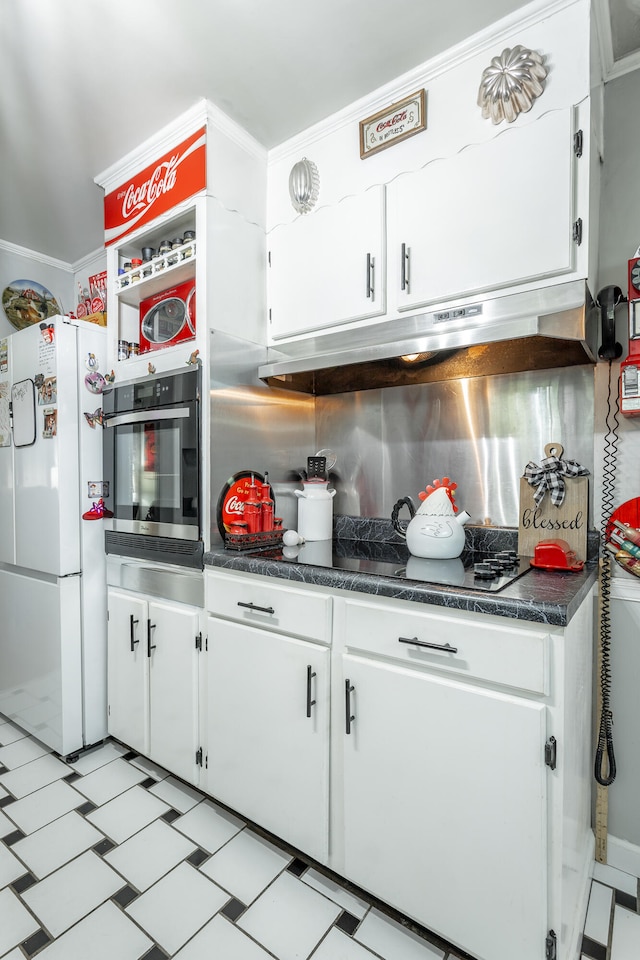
{"points": [[152, 468]]}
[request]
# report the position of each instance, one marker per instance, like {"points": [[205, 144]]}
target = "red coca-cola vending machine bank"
{"points": [[168, 318]]}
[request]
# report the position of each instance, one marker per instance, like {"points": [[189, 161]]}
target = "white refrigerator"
{"points": [[52, 564]]}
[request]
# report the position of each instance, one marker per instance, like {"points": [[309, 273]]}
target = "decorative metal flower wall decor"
{"points": [[304, 185], [511, 83]]}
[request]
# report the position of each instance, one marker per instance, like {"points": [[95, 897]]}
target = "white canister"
{"points": [[315, 510]]}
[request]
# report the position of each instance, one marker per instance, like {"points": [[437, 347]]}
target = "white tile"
{"points": [[178, 795], [9, 733], [625, 943], [290, 918], [109, 781], [97, 757], [246, 865], [17, 923], [615, 878], [220, 938], [57, 843], [10, 867], [598, 919], [3, 792], [73, 891], [149, 854], [30, 777], [6, 825], [150, 768], [16, 954], [177, 906], [104, 935], [45, 805], [392, 941], [348, 901], [123, 816], [338, 946], [22, 751], [209, 825]]}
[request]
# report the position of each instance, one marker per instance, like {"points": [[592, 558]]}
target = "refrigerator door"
{"points": [[7, 534], [47, 501]]}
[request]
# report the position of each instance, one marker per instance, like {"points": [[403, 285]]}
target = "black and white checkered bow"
{"points": [[550, 476]]}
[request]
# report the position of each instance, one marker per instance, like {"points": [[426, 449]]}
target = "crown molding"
{"points": [[19, 251]]}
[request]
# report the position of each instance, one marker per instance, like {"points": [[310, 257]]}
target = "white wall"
{"points": [[18, 263], [619, 239]]}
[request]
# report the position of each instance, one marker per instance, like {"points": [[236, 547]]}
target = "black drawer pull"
{"points": [[257, 609], [150, 646], [432, 646], [310, 703], [132, 632], [348, 690]]}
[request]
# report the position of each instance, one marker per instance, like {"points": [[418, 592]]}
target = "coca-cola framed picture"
{"points": [[398, 122]]}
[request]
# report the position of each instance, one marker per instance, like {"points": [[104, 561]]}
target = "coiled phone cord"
{"points": [[605, 733]]}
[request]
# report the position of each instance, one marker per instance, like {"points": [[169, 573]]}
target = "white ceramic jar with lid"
{"points": [[315, 510]]}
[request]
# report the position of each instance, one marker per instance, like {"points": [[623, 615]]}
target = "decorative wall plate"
{"points": [[511, 83], [26, 302]]}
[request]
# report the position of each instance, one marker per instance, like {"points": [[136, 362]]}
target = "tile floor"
{"points": [[111, 857]]}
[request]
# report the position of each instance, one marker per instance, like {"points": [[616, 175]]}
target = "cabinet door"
{"points": [[268, 736], [445, 808], [173, 688], [496, 214], [328, 267], [127, 670]]}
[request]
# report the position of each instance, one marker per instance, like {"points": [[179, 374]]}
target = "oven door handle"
{"points": [[147, 416]]}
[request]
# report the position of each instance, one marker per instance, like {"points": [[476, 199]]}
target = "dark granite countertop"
{"points": [[550, 597]]}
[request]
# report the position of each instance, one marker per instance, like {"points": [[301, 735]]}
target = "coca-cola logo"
{"points": [[162, 180], [234, 505], [391, 122]]}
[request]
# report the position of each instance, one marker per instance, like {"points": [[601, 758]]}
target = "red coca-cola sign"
{"points": [[174, 177]]}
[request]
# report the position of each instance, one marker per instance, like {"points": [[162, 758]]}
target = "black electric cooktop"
{"points": [[473, 570]]}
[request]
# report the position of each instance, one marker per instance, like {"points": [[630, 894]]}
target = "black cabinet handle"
{"points": [[253, 606], [150, 646], [132, 624], [348, 689], [371, 277], [310, 702], [432, 646], [405, 264]]}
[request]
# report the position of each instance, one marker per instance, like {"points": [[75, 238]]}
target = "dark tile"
{"points": [[104, 846], [35, 942], [70, 777], [5, 801], [297, 867], [129, 755], [626, 900], [86, 808], [347, 923], [13, 837], [23, 883], [197, 857], [149, 782], [124, 896], [170, 816], [590, 948], [156, 953], [233, 909], [3, 769]]}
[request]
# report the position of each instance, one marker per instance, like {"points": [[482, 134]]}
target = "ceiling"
{"points": [[83, 83]]}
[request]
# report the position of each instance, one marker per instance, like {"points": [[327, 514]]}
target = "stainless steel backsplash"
{"points": [[480, 432]]}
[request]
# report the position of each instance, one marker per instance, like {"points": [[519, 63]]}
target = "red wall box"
{"points": [[168, 318]]}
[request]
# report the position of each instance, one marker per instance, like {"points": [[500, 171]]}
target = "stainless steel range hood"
{"points": [[554, 326]]}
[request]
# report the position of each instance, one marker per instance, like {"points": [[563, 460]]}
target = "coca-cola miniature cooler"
{"points": [[235, 493], [168, 318]]}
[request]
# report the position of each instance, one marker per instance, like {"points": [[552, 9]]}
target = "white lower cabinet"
{"points": [[152, 679], [268, 731]]}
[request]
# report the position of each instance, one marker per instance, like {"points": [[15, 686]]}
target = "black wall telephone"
{"points": [[608, 299]]}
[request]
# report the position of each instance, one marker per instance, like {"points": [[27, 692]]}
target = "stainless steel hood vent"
{"points": [[551, 327]]}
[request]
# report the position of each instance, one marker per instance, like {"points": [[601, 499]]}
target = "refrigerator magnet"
{"points": [[47, 388], [95, 382], [91, 363], [93, 419], [50, 423], [97, 488]]}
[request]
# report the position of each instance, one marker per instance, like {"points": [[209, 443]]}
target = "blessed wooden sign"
{"points": [[546, 521]]}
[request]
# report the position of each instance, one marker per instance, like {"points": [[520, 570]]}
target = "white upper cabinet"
{"points": [[497, 214], [328, 266]]}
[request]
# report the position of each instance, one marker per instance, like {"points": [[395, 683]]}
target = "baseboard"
{"points": [[623, 855]]}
